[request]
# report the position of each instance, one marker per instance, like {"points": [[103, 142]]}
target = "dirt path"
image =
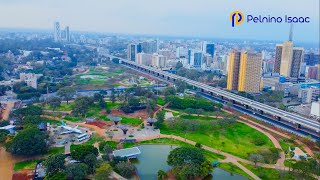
{"points": [[6, 112]]}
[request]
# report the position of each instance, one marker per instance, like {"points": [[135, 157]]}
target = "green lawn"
{"points": [[64, 107], [190, 117], [114, 105], [236, 140], [263, 173], [73, 119], [131, 121], [55, 150], [26, 165], [233, 169], [160, 101]]}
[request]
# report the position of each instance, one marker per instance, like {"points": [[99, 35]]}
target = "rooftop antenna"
{"points": [[291, 29]]}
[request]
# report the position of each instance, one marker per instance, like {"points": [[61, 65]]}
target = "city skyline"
{"points": [[204, 19]]}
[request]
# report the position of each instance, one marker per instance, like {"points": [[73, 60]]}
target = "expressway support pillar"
{"points": [[261, 112], [233, 101], [298, 126], [222, 97], [247, 107], [279, 118]]}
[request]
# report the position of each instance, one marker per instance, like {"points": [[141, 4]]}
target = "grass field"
{"points": [[236, 140], [55, 150], [131, 121], [263, 173], [160, 101], [26, 165], [64, 107], [190, 117], [73, 119], [233, 169]]}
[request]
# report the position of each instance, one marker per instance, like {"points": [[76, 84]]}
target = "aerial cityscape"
{"points": [[159, 90]]}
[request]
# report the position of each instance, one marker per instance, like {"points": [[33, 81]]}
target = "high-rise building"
{"points": [[313, 72], [233, 70], [67, 35], [197, 59], [311, 59], [250, 72], [277, 58], [150, 47], [244, 71], [132, 52], [210, 49], [159, 61], [288, 58], [143, 58], [56, 31]]}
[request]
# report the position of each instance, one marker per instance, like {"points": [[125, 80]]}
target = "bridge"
{"points": [[295, 120]]}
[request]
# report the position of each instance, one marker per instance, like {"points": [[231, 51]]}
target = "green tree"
{"points": [[162, 175], [80, 152], [66, 93], [91, 161], [28, 142], [82, 105], [160, 119], [54, 102], [60, 175], [180, 85], [179, 65], [77, 171], [181, 155], [125, 169], [189, 111], [255, 158], [199, 111], [3, 135], [54, 164], [103, 172], [169, 91], [113, 96]]}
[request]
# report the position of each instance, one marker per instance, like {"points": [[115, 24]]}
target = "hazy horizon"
{"points": [[179, 18]]}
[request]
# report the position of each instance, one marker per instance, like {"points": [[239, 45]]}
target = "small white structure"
{"points": [[128, 153], [169, 116], [299, 154]]}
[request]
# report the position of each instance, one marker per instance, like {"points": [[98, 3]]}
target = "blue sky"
{"points": [[200, 18]]}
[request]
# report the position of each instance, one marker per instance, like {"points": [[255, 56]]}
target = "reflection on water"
{"points": [[154, 158]]}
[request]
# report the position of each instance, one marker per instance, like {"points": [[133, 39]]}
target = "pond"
{"points": [[154, 158]]}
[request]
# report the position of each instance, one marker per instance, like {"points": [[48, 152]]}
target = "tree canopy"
{"points": [[28, 142]]}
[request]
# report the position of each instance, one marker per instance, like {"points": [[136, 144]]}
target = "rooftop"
{"points": [[127, 152]]}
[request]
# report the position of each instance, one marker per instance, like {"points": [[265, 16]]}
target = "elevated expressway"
{"points": [[308, 125]]}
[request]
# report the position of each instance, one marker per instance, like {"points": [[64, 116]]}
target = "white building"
{"points": [[143, 58], [315, 110], [159, 61], [30, 79], [309, 95]]}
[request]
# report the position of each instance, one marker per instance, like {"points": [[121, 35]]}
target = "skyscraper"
{"points": [[210, 49], [132, 52], [56, 31], [197, 59], [149, 47], [249, 72], [67, 35], [288, 58], [233, 70]]}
